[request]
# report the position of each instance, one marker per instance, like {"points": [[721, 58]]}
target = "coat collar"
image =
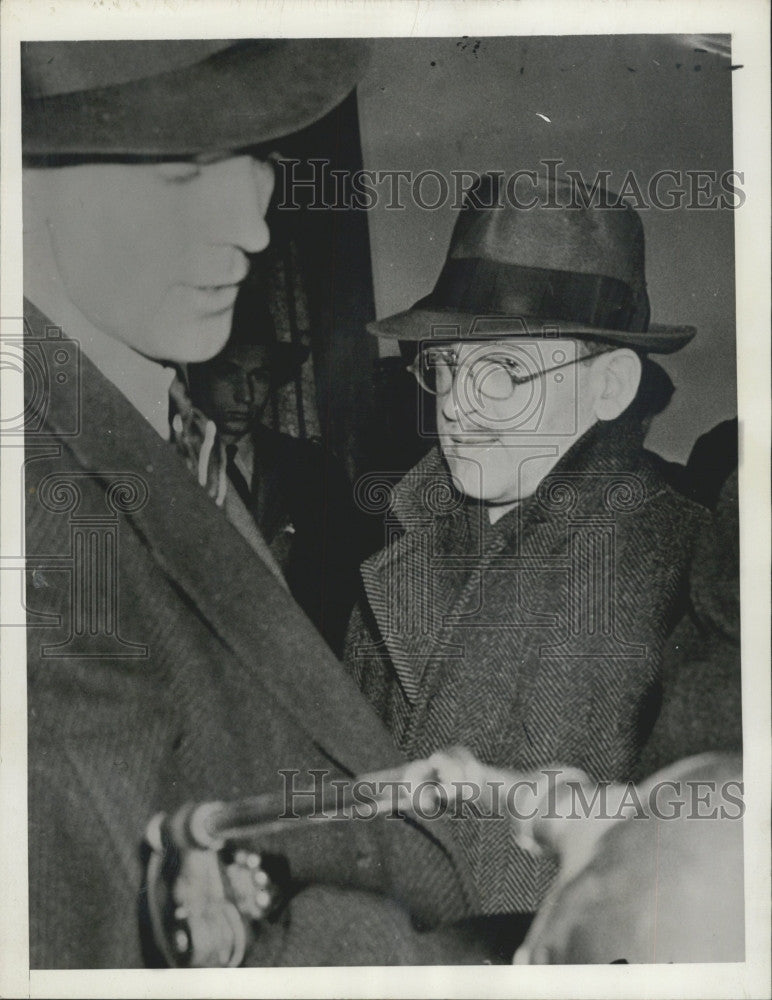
{"points": [[431, 513], [607, 448]]}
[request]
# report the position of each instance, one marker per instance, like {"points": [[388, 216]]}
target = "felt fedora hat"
{"points": [[554, 269], [178, 97]]}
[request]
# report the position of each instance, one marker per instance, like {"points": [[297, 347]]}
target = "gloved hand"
{"points": [[205, 903]]}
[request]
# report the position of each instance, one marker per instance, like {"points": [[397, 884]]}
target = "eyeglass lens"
{"points": [[492, 376]]}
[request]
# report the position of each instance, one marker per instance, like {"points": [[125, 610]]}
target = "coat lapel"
{"points": [[480, 580], [407, 595], [229, 588]]}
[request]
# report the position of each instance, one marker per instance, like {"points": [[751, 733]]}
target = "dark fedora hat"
{"points": [[556, 269], [178, 98]]}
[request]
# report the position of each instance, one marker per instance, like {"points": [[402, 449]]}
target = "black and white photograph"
{"points": [[385, 441]]}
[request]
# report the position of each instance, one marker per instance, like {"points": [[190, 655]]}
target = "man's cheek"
{"points": [[466, 475]]}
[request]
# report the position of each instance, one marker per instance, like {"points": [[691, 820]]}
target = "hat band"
{"points": [[484, 288]]}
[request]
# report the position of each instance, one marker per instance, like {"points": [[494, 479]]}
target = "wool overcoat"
{"points": [[533, 641], [166, 665]]}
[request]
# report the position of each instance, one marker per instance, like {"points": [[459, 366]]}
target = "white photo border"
{"points": [[747, 21]]}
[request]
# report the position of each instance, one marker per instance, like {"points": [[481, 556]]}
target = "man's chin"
{"points": [[191, 343], [234, 431], [469, 478], [211, 336], [466, 478]]}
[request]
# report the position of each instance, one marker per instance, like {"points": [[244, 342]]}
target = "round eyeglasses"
{"points": [[492, 374]]}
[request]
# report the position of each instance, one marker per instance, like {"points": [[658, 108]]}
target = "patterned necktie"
{"points": [[197, 441]]}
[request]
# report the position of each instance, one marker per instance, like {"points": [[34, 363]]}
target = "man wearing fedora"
{"points": [[537, 557], [302, 504], [166, 661]]}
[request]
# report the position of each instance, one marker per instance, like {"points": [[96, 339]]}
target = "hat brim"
{"points": [[425, 324], [244, 95]]}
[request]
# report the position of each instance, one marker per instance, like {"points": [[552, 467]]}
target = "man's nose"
{"points": [[465, 410], [245, 185], [449, 407], [457, 406], [244, 392]]}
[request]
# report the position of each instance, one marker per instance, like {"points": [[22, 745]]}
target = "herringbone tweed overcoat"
{"points": [[533, 641], [167, 665]]}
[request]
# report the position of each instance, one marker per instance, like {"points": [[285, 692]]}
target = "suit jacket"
{"points": [[166, 664], [533, 641], [302, 502]]}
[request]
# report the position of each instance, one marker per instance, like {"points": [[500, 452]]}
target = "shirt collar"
{"points": [[145, 383]]}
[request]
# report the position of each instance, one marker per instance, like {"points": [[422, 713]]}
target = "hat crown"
{"points": [[556, 234], [540, 262]]}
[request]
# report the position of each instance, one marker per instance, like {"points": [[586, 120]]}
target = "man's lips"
{"points": [[215, 299], [213, 284], [472, 440], [207, 282], [217, 286]]}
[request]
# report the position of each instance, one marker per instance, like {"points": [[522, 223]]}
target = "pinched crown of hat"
{"points": [[554, 268], [178, 98]]}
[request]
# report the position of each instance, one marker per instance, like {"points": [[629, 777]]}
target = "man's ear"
{"points": [[619, 375]]}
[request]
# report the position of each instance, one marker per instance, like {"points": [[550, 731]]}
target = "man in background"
{"points": [[300, 498]]}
